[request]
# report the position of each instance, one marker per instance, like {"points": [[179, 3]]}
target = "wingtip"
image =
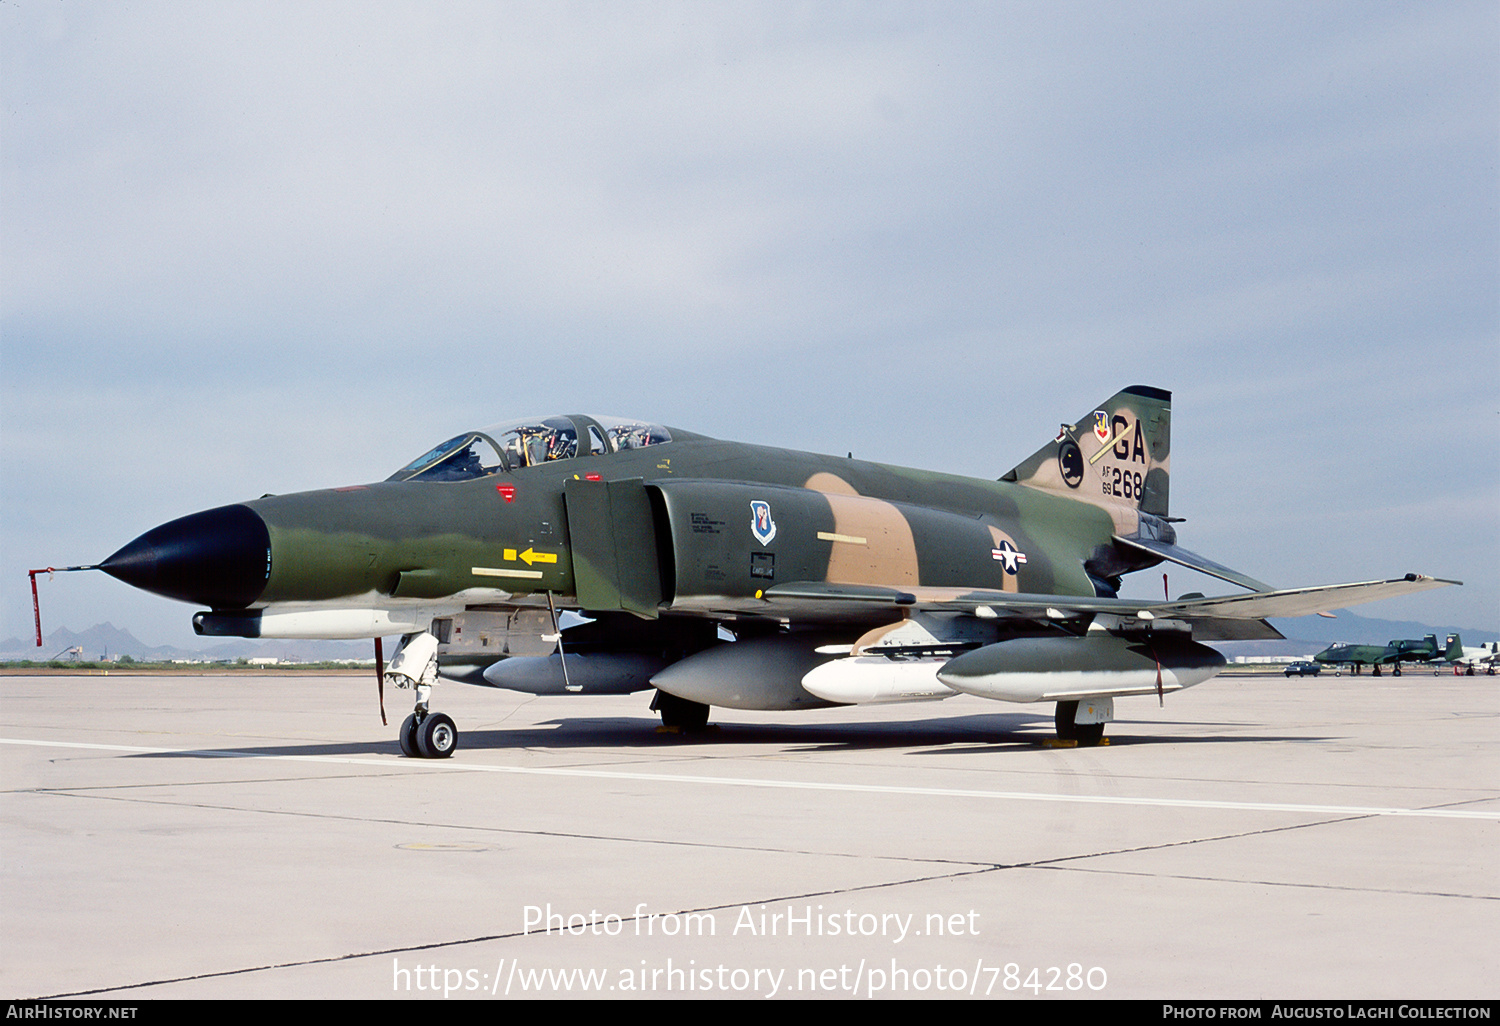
{"points": [[1434, 581]]}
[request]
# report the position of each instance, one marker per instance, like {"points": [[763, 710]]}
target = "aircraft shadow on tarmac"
{"points": [[1013, 732]]}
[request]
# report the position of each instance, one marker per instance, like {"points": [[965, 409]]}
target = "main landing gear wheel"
{"points": [[1086, 734], [409, 738], [679, 713]]}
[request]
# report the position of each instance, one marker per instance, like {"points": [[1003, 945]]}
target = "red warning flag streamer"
{"points": [[1166, 594], [36, 605], [380, 676]]}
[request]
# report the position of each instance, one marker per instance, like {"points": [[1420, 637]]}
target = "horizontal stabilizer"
{"points": [[1228, 628], [1193, 561]]}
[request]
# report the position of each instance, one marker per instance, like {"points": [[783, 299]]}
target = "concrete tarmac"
{"points": [[230, 836]]}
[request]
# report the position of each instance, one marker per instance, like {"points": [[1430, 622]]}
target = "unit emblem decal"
{"points": [[761, 524], [1101, 426]]}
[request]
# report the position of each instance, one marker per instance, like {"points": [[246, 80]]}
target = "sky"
{"points": [[268, 247]]}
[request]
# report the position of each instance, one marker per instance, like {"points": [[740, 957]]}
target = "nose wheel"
{"points": [[433, 736]]}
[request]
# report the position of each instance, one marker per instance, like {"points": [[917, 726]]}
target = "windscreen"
{"points": [[529, 442], [458, 459]]}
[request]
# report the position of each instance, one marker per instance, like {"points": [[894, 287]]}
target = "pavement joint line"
{"points": [[969, 865], [513, 935], [1303, 885], [1060, 863], [802, 785], [976, 865], [972, 870]]}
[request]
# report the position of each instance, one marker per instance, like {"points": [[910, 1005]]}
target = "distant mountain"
{"points": [[1351, 629], [1309, 634], [106, 639]]}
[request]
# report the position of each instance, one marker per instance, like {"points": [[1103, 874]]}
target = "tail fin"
{"points": [[1117, 455], [1455, 650]]}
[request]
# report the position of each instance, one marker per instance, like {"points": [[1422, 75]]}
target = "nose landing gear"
{"points": [[424, 734]]}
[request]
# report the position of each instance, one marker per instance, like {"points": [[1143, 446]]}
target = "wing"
{"points": [[1228, 617]]}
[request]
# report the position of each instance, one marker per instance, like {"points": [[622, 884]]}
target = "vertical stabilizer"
{"points": [[1118, 454]]}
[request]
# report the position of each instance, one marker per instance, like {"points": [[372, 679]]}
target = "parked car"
{"points": [[1303, 670]]}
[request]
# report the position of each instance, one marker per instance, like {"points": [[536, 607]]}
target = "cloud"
{"points": [[269, 246]]}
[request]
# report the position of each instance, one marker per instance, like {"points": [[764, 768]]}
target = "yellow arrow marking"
{"points": [[530, 556]]}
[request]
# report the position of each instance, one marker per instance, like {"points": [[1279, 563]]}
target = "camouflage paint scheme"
{"points": [[839, 521]]}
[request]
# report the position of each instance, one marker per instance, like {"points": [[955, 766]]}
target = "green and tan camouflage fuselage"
{"points": [[672, 528]]}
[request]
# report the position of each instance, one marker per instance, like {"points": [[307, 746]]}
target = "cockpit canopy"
{"points": [[528, 443]]}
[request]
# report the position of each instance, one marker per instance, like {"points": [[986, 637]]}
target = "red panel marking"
{"points": [[507, 492]]}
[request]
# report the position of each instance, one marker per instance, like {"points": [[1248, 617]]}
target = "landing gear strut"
{"points": [[424, 734]]}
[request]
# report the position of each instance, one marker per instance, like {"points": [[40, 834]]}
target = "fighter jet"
{"points": [[600, 555], [1392, 654]]}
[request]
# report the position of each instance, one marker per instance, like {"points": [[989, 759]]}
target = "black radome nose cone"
{"points": [[220, 558]]}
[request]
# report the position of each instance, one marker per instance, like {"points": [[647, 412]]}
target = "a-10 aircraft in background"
{"points": [[734, 575], [1392, 654], [1454, 653]]}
